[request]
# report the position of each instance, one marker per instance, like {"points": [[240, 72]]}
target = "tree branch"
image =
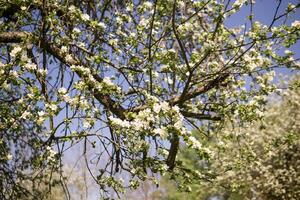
{"points": [[179, 100], [105, 100], [173, 151], [200, 90], [13, 37], [200, 116]]}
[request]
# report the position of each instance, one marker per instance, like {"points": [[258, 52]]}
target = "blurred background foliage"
{"points": [[261, 160]]}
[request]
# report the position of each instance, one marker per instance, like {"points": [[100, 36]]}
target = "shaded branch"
{"points": [[105, 100], [179, 100], [200, 116], [200, 90], [13, 37], [173, 151]]}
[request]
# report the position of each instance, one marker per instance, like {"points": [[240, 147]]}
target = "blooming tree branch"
{"points": [[133, 79]]}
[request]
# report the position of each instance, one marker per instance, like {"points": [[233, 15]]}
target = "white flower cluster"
{"points": [[194, 143], [106, 86], [238, 4], [88, 122], [41, 117], [77, 13], [2, 67], [25, 115], [140, 123], [62, 91], [52, 107], [147, 4], [162, 132], [85, 17], [64, 49], [81, 69], [296, 24], [77, 101], [76, 30], [9, 157], [163, 106], [254, 60], [72, 8], [16, 50], [42, 72], [107, 82], [157, 120], [30, 66], [26, 63], [102, 25], [51, 154]]}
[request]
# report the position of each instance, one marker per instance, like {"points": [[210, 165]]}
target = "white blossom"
{"points": [[62, 91], [85, 17], [64, 49], [52, 107], [15, 51], [13, 74], [156, 108], [25, 115], [165, 106], [76, 30], [24, 56], [51, 154], [195, 144], [296, 24], [9, 156], [42, 72], [30, 66], [238, 3], [107, 81], [119, 122], [69, 58], [86, 124], [148, 4], [288, 52], [170, 81], [72, 8], [102, 25], [160, 131], [41, 113]]}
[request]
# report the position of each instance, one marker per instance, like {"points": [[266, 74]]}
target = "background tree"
{"points": [[259, 161], [132, 78]]}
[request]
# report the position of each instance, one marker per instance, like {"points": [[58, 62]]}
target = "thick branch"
{"points": [[200, 116], [105, 100], [190, 95], [200, 90], [173, 151], [13, 37], [183, 51]]}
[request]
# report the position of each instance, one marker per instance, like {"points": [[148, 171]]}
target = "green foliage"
{"points": [[260, 160]]}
